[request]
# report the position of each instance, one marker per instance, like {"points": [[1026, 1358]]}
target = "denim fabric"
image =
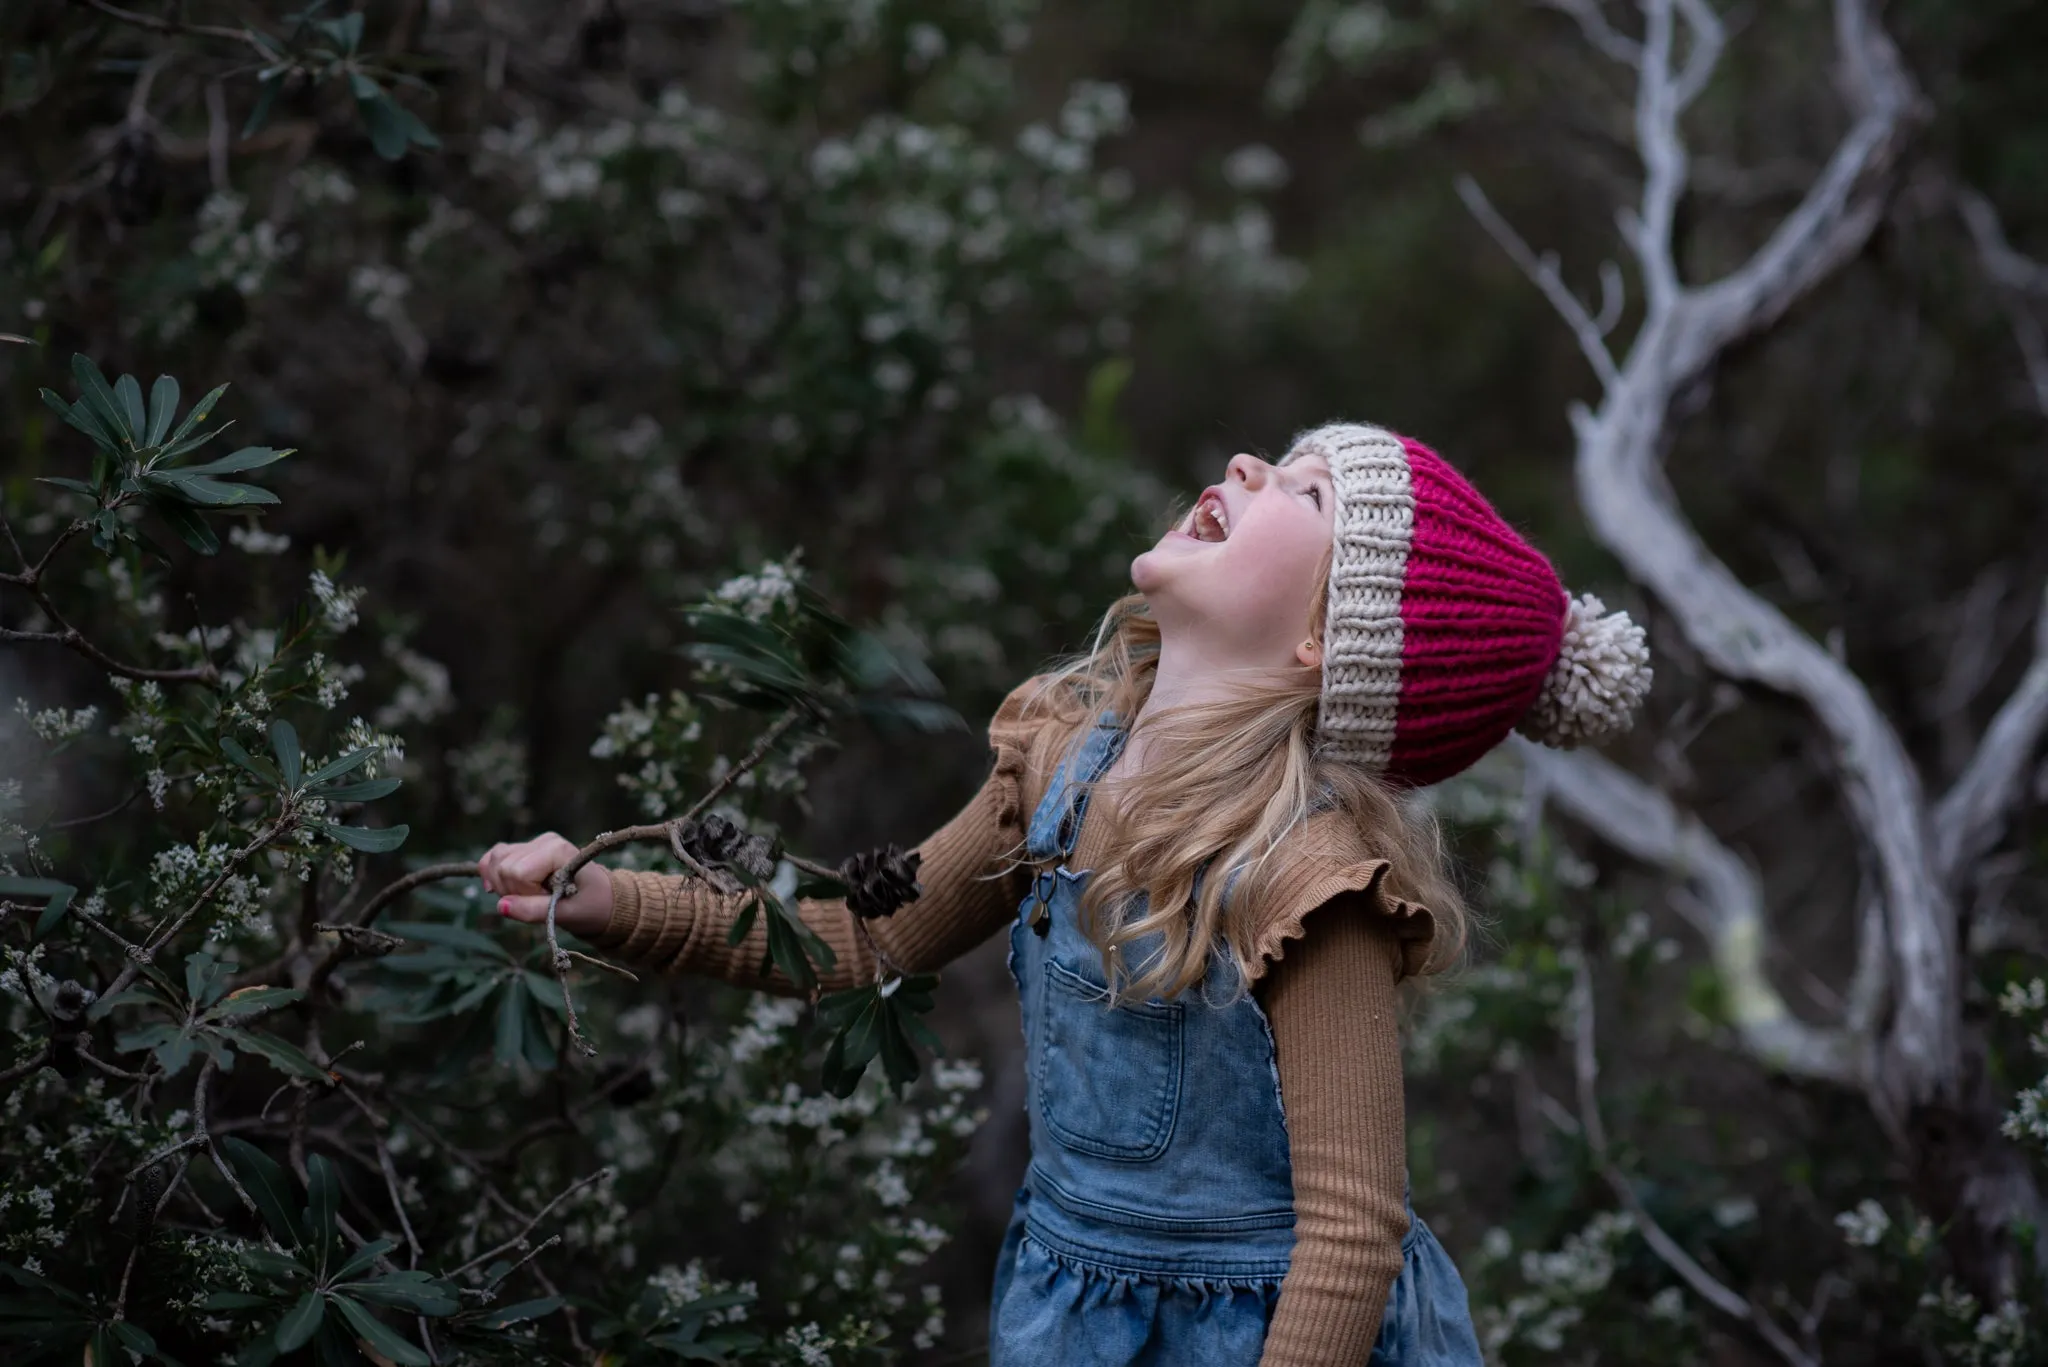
{"points": [[1156, 1219]]}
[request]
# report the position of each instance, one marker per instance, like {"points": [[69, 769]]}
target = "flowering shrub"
{"points": [[261, 1097], [1636, 1226]]}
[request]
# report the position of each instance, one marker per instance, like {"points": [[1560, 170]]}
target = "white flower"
{"points": [[1255, 169], [1733, 1211], [256, 541], [337, 604], [54, 724], [758, 594], [1864, 1226], [888, 1185]]}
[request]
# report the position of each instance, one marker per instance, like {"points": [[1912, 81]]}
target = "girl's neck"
{"points": [[1183, 677]]}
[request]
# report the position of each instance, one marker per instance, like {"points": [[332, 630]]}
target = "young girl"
{"points": [[1194, 837]]}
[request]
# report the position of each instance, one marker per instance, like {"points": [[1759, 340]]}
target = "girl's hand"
{"points": [[520, 873]]}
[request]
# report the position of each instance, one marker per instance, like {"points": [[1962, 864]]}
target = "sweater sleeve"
{"points": [[673, 923], [1332, 1007]]}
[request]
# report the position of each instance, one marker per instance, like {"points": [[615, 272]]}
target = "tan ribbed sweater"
{"points": [[1330, 999]]}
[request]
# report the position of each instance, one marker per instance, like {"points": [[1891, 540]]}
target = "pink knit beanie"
{"points": [[1445, 629]]}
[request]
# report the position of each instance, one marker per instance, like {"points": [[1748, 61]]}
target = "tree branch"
{"points": [[1971, 815], [1586, 1057], [1725, 905], [1633, 510]]}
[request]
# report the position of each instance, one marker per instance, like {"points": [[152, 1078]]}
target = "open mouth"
{"points": [[1210, 521]]}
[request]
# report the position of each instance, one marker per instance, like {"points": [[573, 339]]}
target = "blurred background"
{"points": [[574, 311]]}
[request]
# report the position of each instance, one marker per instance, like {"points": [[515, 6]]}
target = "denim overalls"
{"points": [[1157, 1215]]}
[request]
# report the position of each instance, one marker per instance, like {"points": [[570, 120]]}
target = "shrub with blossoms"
{"points": [[274, 1088], [1643, 1221]]}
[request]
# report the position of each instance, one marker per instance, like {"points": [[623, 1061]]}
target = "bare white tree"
{"points": [[1900, 1039]]}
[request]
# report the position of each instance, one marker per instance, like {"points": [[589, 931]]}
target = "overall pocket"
{"points": [[1109, 1078]]}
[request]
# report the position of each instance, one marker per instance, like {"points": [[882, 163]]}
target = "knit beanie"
{"points": [[1445, 629]]}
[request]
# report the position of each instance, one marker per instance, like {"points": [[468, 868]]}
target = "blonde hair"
{"points": [[1224, 785]]}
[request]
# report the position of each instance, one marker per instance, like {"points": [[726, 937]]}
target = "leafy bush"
{"points": [[265, 1097]]}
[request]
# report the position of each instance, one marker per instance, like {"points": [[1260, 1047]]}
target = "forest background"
{"points": [[597, 330]]}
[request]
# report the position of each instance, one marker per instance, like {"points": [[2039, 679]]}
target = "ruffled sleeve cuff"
{"points": [[1413, 925]]}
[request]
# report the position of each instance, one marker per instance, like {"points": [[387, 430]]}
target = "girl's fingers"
{"points": [[532, 910]]}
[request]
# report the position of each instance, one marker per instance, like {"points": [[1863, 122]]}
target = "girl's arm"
{"points": [[1331, 1002], [673, 923]]}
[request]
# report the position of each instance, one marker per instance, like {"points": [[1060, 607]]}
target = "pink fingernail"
{"points": [[504, 906]]}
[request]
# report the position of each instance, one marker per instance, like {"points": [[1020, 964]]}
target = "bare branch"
{"points": [[1704, 1285], [1836, 217], [1725, 904], [1633, 510], [1543, 272], [1971, 815], [1599, 33], [519, 1240], [2014, 275]]}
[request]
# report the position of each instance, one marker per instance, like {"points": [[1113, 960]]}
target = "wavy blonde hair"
{"points": [[1225, 784]]}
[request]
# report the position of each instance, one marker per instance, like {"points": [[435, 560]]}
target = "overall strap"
{"points": [[1056, 823]]}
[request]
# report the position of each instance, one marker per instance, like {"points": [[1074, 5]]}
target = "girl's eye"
{"points": [[1315, 491]]}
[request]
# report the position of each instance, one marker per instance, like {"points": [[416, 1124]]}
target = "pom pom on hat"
{"points": [[1601, 676]]}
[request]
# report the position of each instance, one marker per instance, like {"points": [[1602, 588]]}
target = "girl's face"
{"points": [[1238, 575]]}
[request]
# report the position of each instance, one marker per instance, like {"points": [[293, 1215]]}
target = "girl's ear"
{"points": [[1310, 653]]}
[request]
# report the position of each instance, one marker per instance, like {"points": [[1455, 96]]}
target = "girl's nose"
{"points": [[1250, 469]]}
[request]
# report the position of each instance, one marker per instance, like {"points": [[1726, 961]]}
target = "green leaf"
{"points": [[301, 1322], [201, 411], [232, 1300], [284, 743], [736, 934], [545, 991], [390, 124], [364, 1257], [374, 840], [211, 493], [345, 33], [262, 768], [899, 1060], [58, 893], [271, 1263], [346, 764], [411, 1290], [322, 1194], [163, 406], [270, 83], [451, 937], [176, 446], [21, 1276], [260, 1352], [248, 458], [250, 999], [189, 526], [79, 415], [379, 1335], [786, 951], [138, 1340], [265, 1182], [129, 393], [206, 977], [369, 790], [99, 397], [525, 1310], [286, 1058], [511, 1043], [76, 486]]}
